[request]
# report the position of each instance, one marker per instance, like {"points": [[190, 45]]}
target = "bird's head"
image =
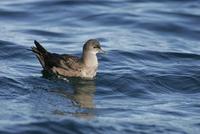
{"points": [[92, 46]]}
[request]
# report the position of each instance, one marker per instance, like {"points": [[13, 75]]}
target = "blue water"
{"points": [[148, 81]]}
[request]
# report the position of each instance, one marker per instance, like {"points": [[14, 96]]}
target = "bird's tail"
{"points": [[40, 52]]}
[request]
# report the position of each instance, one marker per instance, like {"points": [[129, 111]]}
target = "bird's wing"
{"points": [[62, 64], [71, 62], [64, 61]]}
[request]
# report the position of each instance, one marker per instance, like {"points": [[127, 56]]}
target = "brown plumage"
{"points": [[68, 65]]}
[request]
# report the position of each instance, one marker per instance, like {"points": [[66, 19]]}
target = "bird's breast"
{"points": [[89, 72]]}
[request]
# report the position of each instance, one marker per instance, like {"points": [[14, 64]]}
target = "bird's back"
{"points": [[65, 65], [61, 64]]}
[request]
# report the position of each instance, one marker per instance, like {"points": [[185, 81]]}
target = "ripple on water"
{"points": [[147, 82]]}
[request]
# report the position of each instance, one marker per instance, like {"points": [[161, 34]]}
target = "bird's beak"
{"points": [[101, 51]]}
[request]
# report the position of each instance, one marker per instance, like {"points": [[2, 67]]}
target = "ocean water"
{"points": [[148, 80]]}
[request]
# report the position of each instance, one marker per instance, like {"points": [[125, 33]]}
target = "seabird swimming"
{"points": [[68, 65]]}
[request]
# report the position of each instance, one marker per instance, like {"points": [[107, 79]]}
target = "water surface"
{"points": [[148, 80]]}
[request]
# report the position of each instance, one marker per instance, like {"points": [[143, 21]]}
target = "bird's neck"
{"points": [[90, 59]]}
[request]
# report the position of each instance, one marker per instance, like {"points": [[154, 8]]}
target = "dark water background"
{"points": [[148, 81]]}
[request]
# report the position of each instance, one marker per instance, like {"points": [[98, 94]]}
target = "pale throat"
{"points": [[90, 59]]}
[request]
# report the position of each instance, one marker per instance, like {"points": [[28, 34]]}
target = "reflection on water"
{"points": [[81, 96], [84, 93]]}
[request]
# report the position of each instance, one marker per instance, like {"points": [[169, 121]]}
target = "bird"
{"points": [[67, 65]]}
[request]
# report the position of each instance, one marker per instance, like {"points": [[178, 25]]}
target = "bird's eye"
{"points": [[96, 47]]}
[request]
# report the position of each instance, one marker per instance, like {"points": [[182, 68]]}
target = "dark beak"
{"points": [[101, 50]]}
